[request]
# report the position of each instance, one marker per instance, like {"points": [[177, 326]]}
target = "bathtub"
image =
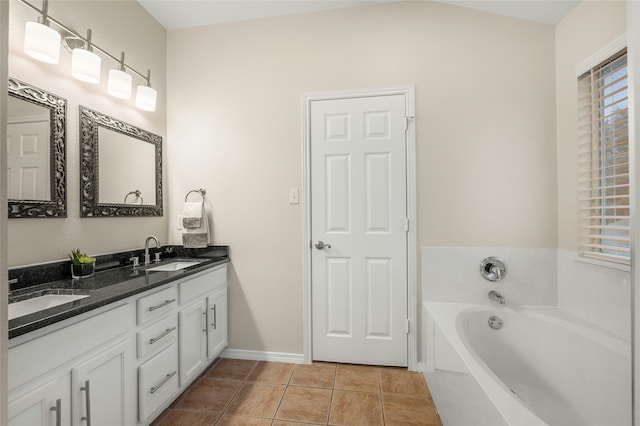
{"points": [[543, 367]]}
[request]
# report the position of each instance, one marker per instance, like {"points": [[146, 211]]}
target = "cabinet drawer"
{"points": [[157, 336], [157, 381], [157, 304], [202, 284]]}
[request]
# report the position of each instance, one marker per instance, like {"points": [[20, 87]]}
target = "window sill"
{"points": [[603, 263]]}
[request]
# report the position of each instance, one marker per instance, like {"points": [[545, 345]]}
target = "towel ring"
{"points": [[200, 191], [137, 193]]}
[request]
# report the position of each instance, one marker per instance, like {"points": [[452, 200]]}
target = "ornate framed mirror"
{"points": [[120, 168], [36, 152]]}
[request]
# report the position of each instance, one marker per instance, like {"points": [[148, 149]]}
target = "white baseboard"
{"points": [[421, 367], [263, 356]]}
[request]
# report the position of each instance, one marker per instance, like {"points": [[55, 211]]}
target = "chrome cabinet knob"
{"points": [[320, 245]]}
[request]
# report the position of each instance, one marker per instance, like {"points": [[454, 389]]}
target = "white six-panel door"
{"points": [[28, 160], [359, 210]]}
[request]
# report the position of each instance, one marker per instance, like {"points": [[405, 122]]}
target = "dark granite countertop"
{"points": [[104, 287]]}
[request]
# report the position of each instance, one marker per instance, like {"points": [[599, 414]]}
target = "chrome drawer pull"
{"points": [[161, 384], [155, 339], [87, 418], [58, 410], [166, 302], [214, 317], [204, 322]]}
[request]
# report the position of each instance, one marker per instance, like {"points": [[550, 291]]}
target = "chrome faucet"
{"points": [[494, 295], [147, 258]]}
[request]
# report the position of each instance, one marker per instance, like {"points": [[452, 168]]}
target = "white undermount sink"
{"points": [[35, 304], [173, 266]]}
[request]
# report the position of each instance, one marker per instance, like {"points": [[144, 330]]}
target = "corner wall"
{"points": [[116, 26], [596, 293], [485, 135]]}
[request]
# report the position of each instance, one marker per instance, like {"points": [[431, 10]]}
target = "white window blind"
{"points": [[603, 160]]}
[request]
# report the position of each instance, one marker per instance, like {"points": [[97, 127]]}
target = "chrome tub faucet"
{"points": [[495, 296]]}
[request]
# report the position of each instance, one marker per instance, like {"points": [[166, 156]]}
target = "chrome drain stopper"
{"points": [[495, 322]]}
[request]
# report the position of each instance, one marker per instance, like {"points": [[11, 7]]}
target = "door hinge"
{"points": [[406, 224], [406, 121], [407, 326]]}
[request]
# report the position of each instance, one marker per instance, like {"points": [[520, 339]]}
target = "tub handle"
{"points": [[493, 269]]}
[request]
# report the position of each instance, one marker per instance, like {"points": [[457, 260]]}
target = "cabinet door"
{"points": [[217, 323], [100, 390], [48, 404], [192, 327]]}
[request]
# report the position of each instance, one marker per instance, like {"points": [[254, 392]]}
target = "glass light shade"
{"points": [[85, 66], [119, 84], [146, 98], [42, 42]]}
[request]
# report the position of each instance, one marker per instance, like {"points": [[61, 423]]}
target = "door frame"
{"points": [[412, 297]]}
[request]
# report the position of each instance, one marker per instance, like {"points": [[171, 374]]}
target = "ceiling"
{"points": [[174, 14]]}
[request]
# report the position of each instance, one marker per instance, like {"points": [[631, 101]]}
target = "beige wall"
{"points": [[588, 28], [485, 135], [116, 26]]}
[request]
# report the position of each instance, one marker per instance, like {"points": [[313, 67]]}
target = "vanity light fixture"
{"points": [[86, 65], [42, 42], [119, 84], [146, 96]]}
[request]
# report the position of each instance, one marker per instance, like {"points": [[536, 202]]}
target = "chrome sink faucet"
{"points": [[494, 295], [147, 258]]}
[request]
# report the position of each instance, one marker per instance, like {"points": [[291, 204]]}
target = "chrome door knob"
{"points": [[320, 245]]}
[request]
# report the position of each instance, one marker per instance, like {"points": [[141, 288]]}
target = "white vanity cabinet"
{"points": [[192, 322], [75, 373], [124, 363], [217, 323], [99, 386], [47, 405], [202, 321]]}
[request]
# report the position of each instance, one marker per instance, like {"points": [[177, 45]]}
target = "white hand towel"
{"points": [[192, 215]]}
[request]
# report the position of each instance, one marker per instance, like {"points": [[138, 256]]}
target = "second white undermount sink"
{"points": [[173, 266], [40, 303]]}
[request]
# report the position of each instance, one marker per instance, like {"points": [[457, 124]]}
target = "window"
{"points": [[603, 160]]}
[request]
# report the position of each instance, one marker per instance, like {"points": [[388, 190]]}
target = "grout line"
{"points": [[235, 394], [330, 406], [384, 421]]}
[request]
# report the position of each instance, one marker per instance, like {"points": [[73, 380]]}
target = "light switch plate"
{"points": [[180, 221], [293, 196]]}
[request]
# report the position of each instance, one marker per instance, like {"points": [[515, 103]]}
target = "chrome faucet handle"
{"points": [[493, 269], [157, 257], [497, 272], [135, 260]]}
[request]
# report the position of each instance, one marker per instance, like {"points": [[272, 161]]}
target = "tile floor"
{"points": [[241, 392]]}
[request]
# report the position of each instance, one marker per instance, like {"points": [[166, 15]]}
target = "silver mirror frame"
{"points": [[90, 120], [57, 206]]}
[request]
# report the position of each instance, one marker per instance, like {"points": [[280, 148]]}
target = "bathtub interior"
{"points": [[549, 365], [543, 365]]}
